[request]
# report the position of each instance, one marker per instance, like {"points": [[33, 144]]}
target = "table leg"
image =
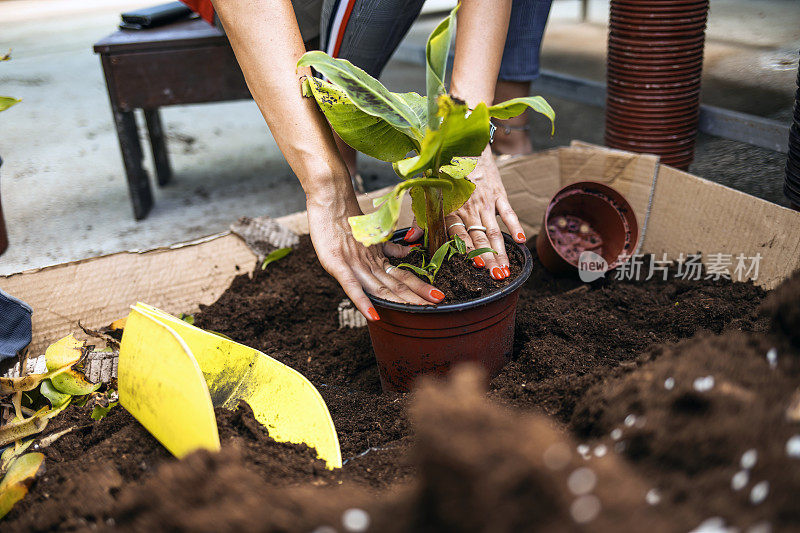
{"points": [[138, 182], [157, 142]]}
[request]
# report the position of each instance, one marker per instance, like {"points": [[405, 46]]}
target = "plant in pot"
{"points": [[443, 137], [5, 103]]}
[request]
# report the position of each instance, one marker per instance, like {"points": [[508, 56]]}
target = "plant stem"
{"points": [[434, 213]]}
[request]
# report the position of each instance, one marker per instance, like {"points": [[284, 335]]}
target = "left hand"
{"points": [[487, 201]]}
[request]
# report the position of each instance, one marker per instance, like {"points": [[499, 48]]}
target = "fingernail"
{"points": [[437, 294], [373, 314], [497, 273], [520, 236], [414, 245], [478, 262], [411, 234], [507, 271]]}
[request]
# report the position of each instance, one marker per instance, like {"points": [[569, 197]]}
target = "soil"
{"points": [[571, 236], [543, 453], [460, 280]]}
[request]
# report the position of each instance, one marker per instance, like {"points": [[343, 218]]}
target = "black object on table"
{"points": [[154, 16], [187, 62]]}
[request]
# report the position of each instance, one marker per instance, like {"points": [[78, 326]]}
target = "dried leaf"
{"points": [[18, 478]]}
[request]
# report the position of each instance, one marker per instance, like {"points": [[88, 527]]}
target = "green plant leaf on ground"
{"points": [[17, 479], [99, 412], [12, 452], [8, 101], [377, 227], [189, 319], [19, 429], [517, 106], [73, 383], [275, 255], [53, 395], [437, 50], [480, 251], [369, 134], [365, 92]]}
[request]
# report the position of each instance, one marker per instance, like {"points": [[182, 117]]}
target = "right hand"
{"points": [[357, 267]]}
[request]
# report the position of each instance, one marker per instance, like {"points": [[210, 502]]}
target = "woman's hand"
{"points": [[481, 210], [357, 267]]}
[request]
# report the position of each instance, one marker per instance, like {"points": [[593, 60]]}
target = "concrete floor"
{"points": [[63, 188]]}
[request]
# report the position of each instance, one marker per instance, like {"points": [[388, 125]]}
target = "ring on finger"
{"points": [[476, 227], [389, 269], [455, 224]]}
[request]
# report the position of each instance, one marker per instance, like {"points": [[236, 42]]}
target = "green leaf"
{"points": [[73, 383], [99, 412], [20, 428], [189, 319], [458, 135], [369, 134], [55, 397], [459, 167], [18, 478], [418, 207], [8, 101], [377, 227], [517, 106], [459, 244], [457, 195], [480, 251], [365, 92], [437, 50], [64, 352], [420, 271], [275, 255], [438, 258]]}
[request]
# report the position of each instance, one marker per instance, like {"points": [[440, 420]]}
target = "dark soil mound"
{"points": [[694, 418], [783, 307], [570, 339]]}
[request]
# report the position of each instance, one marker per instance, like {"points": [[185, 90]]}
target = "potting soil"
{"points": [[607, 419]]}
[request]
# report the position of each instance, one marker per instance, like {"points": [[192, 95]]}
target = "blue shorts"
{"points": [[367, 32]]}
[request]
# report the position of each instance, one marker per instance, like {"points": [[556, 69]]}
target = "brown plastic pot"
{"points": [[606, 210], [413, 340], [3, 233]]}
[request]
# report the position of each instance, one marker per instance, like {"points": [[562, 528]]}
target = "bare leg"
{"points": [[512, 136]]}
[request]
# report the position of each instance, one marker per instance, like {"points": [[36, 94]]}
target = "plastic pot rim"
{"points": [[527, 268]]}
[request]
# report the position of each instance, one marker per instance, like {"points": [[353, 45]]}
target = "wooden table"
{"points": [[187, 62]]}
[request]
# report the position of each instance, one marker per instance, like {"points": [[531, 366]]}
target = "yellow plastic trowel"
{"points": [[171, 375]]}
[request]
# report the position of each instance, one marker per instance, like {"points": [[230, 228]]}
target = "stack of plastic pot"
{"points": [[791, 185], [655, 60]]}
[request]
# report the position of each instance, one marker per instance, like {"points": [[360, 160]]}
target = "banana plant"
{"points": [[432, 141]]}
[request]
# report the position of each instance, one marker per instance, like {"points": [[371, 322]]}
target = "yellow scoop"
{"points": [[171, 375]]}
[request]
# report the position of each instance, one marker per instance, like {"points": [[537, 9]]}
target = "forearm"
{"points": [[480, 39], [267, 43]]}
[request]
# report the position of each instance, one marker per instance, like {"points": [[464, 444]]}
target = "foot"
{"points": [[511, 140]]}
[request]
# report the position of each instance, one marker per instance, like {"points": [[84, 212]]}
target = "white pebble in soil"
{"points": [[583, 450], [713, 525], [793, 447], [630, 420], [616, 434], [653, 497], [557, 456], [760, 527], [772, 358], [749, 459], [703, 384], [740, 480], [582, 481], [759, 492], [600, 450], [585, 509], [669, 383], [355, 520]]}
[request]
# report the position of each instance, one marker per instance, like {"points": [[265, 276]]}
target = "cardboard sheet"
{"points": [[682, 214]]}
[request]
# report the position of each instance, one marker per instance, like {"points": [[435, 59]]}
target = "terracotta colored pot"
{"points": [[655, 61], [3, 233], [412, 340], [606, 210], [648, 112], [663, 27]]}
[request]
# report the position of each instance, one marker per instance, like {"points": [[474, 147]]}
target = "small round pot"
{"points": [[413, 340], [606, 210]]}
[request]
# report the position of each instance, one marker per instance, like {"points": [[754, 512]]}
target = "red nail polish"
{"points": [[507, 271], [373, 314], [497, 273], [410, 235], [437, 294], [414, 245], [520, 236], [478, 262]]}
